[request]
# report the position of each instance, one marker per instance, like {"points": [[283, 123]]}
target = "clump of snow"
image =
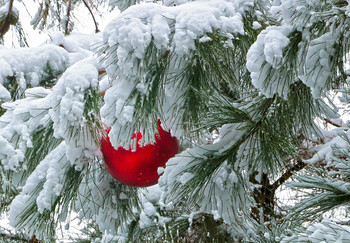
{"points": [[185, 177], [318, 67], [326, 151], [115, 98], [299, 13], [44, 172], [68, 108], [16, 125], [256, 25], [58, 163], [146, 215], [9, 155], [78, 46], [30, 65], [197, 19], [133, 29], [151, 201], [4, 93], [264, 58], [324, 231], [69, 94], [275, 42], [4, 9]]}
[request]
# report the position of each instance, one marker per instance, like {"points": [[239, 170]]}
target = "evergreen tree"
{"points": [[256, 93]]}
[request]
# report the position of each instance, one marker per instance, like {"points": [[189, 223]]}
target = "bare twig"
{"points": [[11, 6], [92, 15], [66, 31], [5, 24], [297, 167], [102, 94], [93, 5], [332, 123], [101, 71], [34, 240]]}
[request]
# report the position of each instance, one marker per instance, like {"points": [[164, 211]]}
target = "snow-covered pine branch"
{"points": [[245, 87]]}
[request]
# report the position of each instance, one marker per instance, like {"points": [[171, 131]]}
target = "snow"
{"points": [[160, 170], [256, 25], [20, 120], [79, 46], [275, 42], [30, 64], [110, 237], [223, 191], [265, 54], [113, 109], [324, 231], [9, 155], [197, 19], [315, 61], [185, 177], [19, 204], [139, 32], [5, 8], [69, 94], [54, 175], [153, 194], [318, 69], [64, 106], [144, 27], [333, 139]]}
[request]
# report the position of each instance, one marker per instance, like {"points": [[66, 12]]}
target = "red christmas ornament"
{"points": [[139, 168]]}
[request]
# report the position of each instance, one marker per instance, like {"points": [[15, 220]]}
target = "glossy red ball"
{"points": [[139, 168]]}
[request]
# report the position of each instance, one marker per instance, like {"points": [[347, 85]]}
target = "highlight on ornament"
{"points": [[139, 168]]}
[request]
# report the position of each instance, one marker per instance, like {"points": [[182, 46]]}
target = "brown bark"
{"points": [[5, 24], [67, 30], [264, 193]]}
